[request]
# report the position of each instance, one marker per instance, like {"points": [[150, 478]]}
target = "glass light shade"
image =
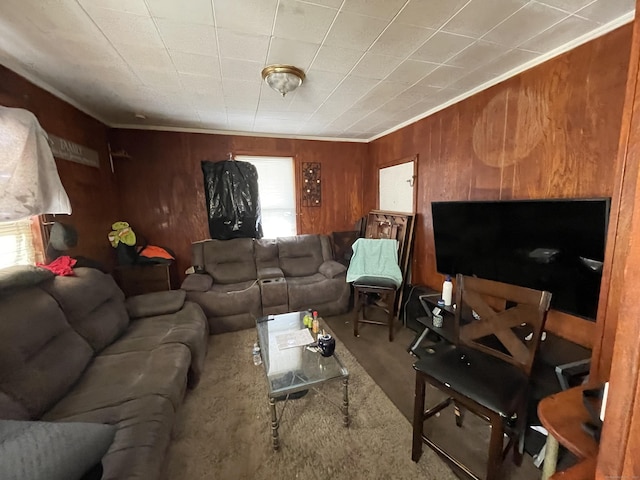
{"points": [[283, 78]]}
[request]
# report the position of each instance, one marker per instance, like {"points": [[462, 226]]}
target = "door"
{"points": [[396, 187]]}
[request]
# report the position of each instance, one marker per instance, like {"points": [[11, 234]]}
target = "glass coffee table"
{"points": [[293, 370]]}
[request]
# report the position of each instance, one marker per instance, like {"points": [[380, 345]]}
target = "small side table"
{"points": [[562, 414], [139, 279]]}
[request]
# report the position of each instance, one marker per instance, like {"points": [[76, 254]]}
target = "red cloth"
{"points": [[61, 265]]}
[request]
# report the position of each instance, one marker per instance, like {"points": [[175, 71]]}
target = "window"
{"points": [[16, 244], [277, 199]]}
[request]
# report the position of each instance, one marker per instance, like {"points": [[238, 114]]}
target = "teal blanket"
{"points": [[375, 257]]}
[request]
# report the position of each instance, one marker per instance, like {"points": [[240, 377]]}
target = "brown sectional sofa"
{"points": [[72, 350], [239, 280]]}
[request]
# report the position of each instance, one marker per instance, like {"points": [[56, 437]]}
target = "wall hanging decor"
{"points": [[311, 185]]}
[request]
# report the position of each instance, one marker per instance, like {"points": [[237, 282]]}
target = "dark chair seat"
{"points": [[473, 375], [375, 282]]}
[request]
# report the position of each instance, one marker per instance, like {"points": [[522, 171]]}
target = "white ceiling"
{"points": [[372, 65]]}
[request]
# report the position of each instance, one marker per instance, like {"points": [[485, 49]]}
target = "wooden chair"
{"points": [[385, 290], [376, 277], [372, 291], [487, 371]]}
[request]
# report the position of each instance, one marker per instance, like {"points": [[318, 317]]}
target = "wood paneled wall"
{"points": [[92, 191], [550, 132], [620, 441], [162, 192]]}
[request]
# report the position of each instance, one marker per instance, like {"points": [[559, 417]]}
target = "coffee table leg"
{"points": [[274, 424], [345, 402]]}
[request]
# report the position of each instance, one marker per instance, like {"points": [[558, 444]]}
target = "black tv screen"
{"points": [[554, 245]]}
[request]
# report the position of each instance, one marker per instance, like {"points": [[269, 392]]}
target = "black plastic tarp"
{"points": [[233, 205]]}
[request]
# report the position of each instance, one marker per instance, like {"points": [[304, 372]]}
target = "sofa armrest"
{"points": [[197, 282], [331, 269], [52, 450], [270, 272], [156, 303]]}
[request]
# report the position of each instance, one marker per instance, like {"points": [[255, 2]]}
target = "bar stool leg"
{"points": [[418, 418], [356, 319], [550, 457], [391, 300]]}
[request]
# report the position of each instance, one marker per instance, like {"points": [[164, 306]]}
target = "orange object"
{"points": [[151, 251]]}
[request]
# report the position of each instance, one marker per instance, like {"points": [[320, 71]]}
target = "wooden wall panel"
{"points": [[618, 341], [92, 191], [550, 132], [161, 185]]}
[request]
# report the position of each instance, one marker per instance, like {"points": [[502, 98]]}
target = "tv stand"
{"points": [[570, 358], [428, 300]]}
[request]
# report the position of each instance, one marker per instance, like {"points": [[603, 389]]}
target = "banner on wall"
{"points": [[68, 150]]}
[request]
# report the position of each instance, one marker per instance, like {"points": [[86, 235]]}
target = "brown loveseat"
{"points": [[72, 350], [239, 280]]}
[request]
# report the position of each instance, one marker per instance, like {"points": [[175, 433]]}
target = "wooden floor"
{"points": [[390, 365]]}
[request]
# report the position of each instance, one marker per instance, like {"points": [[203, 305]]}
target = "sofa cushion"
{"points": [[102, 325], [331, 269], [92, 303], [300, 255], [197, 282], [12, 409], [142, 437], [155, 303], [230, 261], [266, 251], [270, 272], [50, 450], [315, 290], [112, 379], [41, 356], [22, 276], [224, 300], [188, 327], [81, 293]]}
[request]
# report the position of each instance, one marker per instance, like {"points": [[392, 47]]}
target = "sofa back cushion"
{"points": [[41, 356], [300, 255], [266, 251], [230, 261], [197, 255], [93, 304]]}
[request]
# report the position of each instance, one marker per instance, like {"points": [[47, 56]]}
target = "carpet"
{"points": [[223, 429]]}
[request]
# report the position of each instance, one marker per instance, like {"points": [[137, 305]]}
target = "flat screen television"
{"points": [[554, 245]]}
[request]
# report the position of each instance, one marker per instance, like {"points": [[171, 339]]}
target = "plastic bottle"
{"points": [[307, 320], [316, 323], [257, 359], [447, 291]]}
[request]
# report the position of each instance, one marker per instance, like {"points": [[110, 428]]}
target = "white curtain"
{"points": [[277, 197], [29, 181], [16, 244]]}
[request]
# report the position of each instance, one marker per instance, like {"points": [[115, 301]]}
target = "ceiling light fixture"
{"points": [[283, 78]]}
